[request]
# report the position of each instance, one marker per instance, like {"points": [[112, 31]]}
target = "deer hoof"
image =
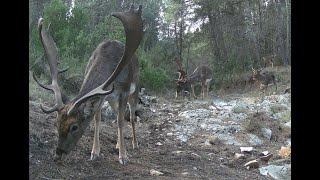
{"points": [[94, 156], [123, 160], [135, 145]]}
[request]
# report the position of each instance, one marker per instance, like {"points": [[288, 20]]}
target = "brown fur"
{"points": [[265, 79], [202, 74], [110, 62]]}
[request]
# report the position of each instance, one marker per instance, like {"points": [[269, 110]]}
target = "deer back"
{"points": [[105, 60], [201, 73], [264, 78]]}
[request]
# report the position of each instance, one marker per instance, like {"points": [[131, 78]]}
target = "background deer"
{"points": [[269, 60], [111, 62], [202, 74], [265, 79]]}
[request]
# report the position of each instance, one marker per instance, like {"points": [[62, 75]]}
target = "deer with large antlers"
{"points": [[202, 74], [265, 79], [111, 74]]}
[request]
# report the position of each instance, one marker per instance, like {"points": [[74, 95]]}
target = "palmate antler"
{"points": [[181, 72], [259, 70], [133, 26], [52, 56]]}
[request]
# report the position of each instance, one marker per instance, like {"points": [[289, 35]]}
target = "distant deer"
{"points": [[202, 74], [111, 74], [265, 79], [269, 60]]}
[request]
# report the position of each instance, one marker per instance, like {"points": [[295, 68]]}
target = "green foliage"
{"points": [[110, 28], [154, 68], [154, 78], [230, 33]]}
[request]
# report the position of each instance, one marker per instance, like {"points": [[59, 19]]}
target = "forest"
{"points": [[230, 36]]}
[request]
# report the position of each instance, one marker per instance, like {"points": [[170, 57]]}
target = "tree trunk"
{"points": [[288, 42], [255, 35], [280, 39], [213, 37]]}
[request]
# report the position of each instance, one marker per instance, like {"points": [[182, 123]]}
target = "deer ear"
{"points": [[91, 105]]}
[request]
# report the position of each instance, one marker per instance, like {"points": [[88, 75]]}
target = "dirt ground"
{"points": [[175, 159], [172, 158]]}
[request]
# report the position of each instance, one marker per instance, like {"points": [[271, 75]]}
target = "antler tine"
{"points": [[182, 74], [261, 69], [133, 26], [63, 70], [51, 53], [253, 69], [53, 109], [179, 63]]}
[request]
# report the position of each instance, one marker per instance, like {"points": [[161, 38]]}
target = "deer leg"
{"points": [[208, 86], [203, 89], [96, 143], [192, 88], [133, 118], [115, 107], [123, 159]]}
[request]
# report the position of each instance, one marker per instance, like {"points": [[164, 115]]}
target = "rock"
{"points": [[266, 157], [196, 113], [240, 108], [177, 152], [227, 139], [252, 164], [287, 124], [264, 153], [213, 140], [169, 134], [246, 149], [155, 173], [185, 173], [107, 112], [267, 133], [238, 156], [276, 172], [153, 100], [203, 126], [254, 140], [276, 108], [159, 144]]}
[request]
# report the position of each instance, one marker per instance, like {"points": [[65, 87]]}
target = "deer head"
{"points": [[74, 117], [265, 79], [202, 75]]}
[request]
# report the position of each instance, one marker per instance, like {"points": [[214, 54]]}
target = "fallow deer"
{"points": [[269, 60], [265, 79], [111, 74], [202, 74]]}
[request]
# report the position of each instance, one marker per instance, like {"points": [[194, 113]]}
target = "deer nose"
{"points": [[59, 151]]}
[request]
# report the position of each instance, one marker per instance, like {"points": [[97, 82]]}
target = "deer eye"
{"points": [[74, 128]]}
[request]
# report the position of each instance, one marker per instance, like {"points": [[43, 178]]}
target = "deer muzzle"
{"points": [[60, 155]]}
